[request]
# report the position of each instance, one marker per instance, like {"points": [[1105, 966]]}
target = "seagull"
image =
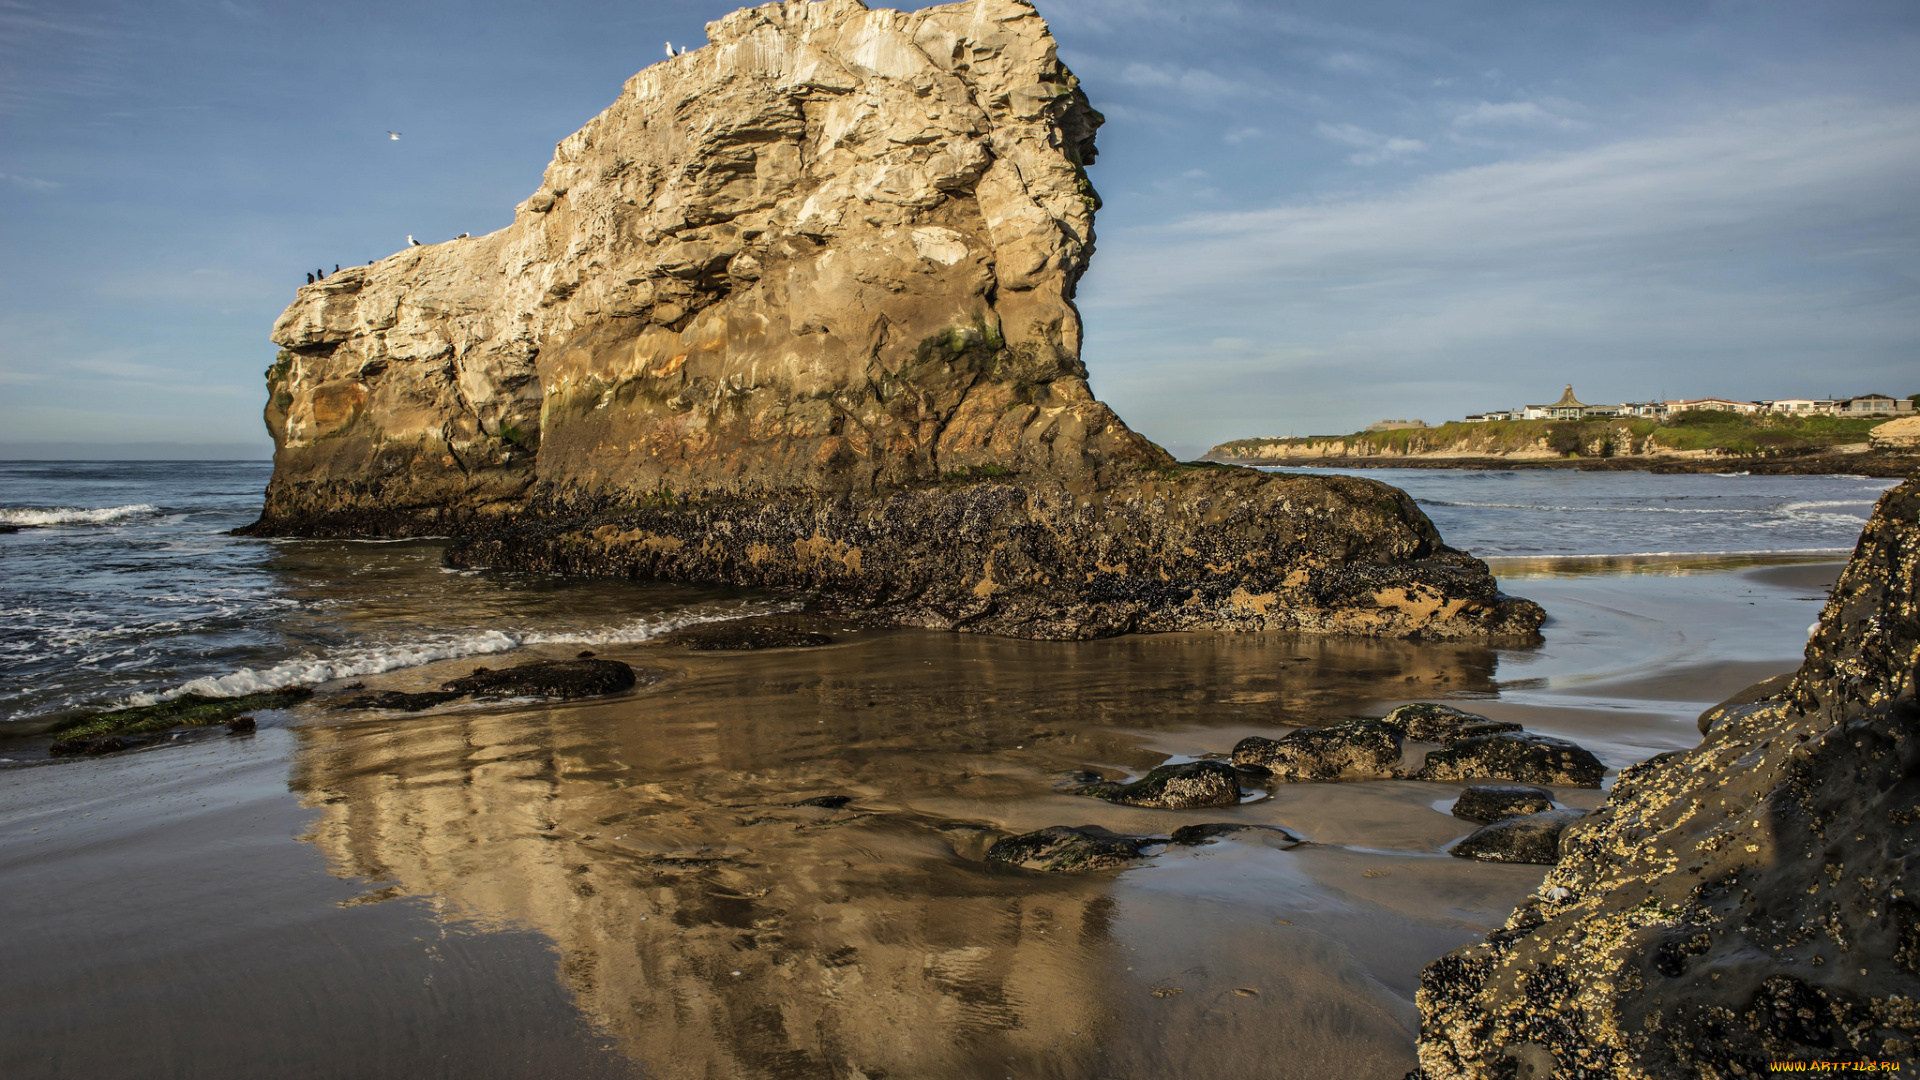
{"points": [[393, 135], [462, 236], [411, 242], [669, 50]]}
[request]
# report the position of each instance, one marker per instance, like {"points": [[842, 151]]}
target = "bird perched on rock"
{"points": [[393, 135], [462, 236], [669, 50], [411, 242], [336, 268], [309, 277]]}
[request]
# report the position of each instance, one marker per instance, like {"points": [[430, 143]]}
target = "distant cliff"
{"points": [[796, 312], [1699, 440]]}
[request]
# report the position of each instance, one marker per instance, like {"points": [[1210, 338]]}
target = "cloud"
{"points": [[1751, 253], [1190, 82], [31, 183], [1736, 179], [1375, 148], [1349, 63], [1514, 114], [1242, 134]]}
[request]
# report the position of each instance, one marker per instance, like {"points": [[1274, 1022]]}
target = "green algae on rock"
{"points": [[796, 313], [1746, 902], [187, 710]]}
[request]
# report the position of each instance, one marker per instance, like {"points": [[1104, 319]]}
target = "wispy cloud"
{"points": [[31, 183], [1374, 148], [1759, 248], [1514, 114]]}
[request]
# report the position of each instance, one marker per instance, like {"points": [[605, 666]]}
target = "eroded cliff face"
{"points": [[835, 249], [1745, 902], [810, 288]]}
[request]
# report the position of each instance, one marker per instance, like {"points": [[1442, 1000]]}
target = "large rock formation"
{"points": [[797, 311], [1749, 901]]}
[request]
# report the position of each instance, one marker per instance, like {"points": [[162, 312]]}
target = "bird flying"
{"points": [[393, 135]]}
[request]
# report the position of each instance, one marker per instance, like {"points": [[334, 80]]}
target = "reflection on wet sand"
{"points": [[720, 929]]}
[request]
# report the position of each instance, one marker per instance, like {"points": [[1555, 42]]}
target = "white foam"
{"points": [[308, 670], [71, 515]]}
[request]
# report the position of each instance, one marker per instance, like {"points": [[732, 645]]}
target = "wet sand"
{"points": [[626, 887]]}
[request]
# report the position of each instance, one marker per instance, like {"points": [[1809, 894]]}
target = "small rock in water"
{"points": [[1534, 838], [584, 654], [830, 802], [1059, 849], [1489, 803], [398, 700], [1189, 835], [744, 635], [1185, 786], [1427, 721], [547, 678], [1517, 756], [1356, 750], [241, 725]]}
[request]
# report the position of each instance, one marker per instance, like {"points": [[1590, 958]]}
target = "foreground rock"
{"points": [[1528, 838], [548, 679], [1490, 803], [1746, 902], [1518, 756], [1426, 721], [1186, 786], [1356, 750], [1208, 832], [745, 635], [796, 313], [1059, 849], [399, 700]]}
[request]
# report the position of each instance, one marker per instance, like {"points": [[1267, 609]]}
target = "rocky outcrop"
{"points": [[1901, 434], [1489, 803], [796, 312], [1745, 902], [1060, 849], [1189, 785], [1355, 750], [1515, 755]]}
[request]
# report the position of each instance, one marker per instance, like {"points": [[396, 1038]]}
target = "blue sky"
{"points": [[1317, 215]]}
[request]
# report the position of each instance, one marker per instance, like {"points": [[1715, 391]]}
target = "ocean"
{"points": [[121, 585], [650, 885]]}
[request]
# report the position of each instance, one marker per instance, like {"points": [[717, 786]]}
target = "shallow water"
{"points": [[625, 886]]}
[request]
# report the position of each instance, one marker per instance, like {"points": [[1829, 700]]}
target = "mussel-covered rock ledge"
{"points": [[796, 312], [1754, 900]]}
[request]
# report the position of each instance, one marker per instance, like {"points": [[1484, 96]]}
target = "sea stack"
{"points": [[796, 313]]}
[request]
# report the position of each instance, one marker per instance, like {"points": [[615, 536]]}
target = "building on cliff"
{"points": [[1567, 408]]}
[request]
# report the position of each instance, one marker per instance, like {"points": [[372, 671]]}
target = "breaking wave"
{"points": [[432, 648], [31, 516]]}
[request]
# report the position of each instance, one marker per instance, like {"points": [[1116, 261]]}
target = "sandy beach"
{"points": [[627, 888]]}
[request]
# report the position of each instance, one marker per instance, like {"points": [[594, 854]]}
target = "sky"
{"points": [[1316, 215]]}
